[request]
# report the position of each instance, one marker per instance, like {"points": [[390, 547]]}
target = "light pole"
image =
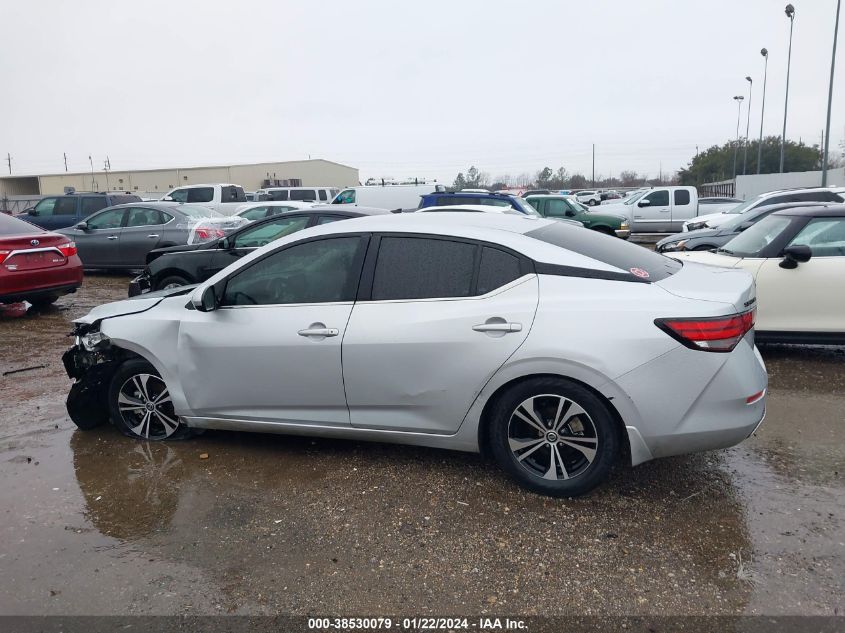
{"points": [[747, 123], [738, 100], [765, 55], [830, 96], [790, 13]]}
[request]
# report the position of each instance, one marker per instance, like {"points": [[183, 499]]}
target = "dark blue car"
{"points": [[443, 199], [60, 212]]}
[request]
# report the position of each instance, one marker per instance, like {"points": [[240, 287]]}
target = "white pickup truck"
{"points": [[223, 198], [660, 209]]}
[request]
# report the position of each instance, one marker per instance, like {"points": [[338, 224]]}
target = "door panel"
{"points": [[98, 246], [657, 216], [142, 233], [418, 365], [804, 299], [251, 363]]}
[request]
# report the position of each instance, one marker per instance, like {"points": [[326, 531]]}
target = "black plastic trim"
{"points": [[586, 273]]}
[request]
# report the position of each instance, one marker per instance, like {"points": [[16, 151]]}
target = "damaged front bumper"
{"points": [[91, 362]]}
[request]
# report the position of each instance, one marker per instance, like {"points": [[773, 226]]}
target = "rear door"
{"points": [[140, 235], [434, 321], [683, 207], [653, 212]]}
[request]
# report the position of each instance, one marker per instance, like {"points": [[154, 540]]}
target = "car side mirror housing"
{"points": [[31, 211], [205, 299], [82, 226], [793, 255], [644, 203], [167, 199]]}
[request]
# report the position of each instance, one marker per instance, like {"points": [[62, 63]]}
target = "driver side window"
{"points": [[320, 271], [824, 236], [658, 198], [266, 233], [558, 209]]}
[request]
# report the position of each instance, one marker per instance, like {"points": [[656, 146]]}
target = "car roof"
{"points": [[813, 210], [549, 195], [795, 189], [473, 194], [470, 208], [153, 204]]}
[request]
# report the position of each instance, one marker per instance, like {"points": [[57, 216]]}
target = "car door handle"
{"points": [[112, 237], [322, 332], [498, 327], [152, 235]]}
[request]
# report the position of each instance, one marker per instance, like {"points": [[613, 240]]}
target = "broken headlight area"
{"points": [[91, 362]]}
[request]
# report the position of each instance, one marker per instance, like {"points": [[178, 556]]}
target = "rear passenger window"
{"points": [[90, 205], [303, 194], [65, 206], [681, 197], [232, 194], [497, 269], [423, 268], [322, 193], [201, 194]]}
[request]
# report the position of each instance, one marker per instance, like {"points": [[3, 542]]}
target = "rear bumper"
{"points": [[690, 401], [28, 284]]}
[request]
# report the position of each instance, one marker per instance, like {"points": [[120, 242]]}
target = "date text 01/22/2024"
{"points": [[417, 624]]}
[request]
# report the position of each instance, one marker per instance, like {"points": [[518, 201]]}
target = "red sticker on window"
{"points": [[639, 272]]}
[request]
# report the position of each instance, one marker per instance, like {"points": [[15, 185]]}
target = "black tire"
{"points": [[592, 203], [575, 435], [142, 385], [606, 230], [43, 301], [172, 280]]}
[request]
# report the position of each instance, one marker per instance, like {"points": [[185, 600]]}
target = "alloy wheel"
{"points": [[146, 408], [552, 437]]}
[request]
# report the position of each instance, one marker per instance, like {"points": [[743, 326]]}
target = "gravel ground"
{"points": [[96, 523]]}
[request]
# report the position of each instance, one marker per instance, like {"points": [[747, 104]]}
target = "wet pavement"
{"points": [[96, 523]]}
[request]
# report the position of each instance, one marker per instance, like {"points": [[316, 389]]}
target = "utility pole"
{"points": [[830, 95], [106, 169], [790, 13], [765, 54], [65, 155], [92, 172], [9, 160], [594, 165]]}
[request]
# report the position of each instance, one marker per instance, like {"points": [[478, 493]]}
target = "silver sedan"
{"points": [[465, 331]]}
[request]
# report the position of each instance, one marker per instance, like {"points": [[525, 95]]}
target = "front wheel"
{"points": [[140, 404], [172, 281], [555, 437], [592, 203]]}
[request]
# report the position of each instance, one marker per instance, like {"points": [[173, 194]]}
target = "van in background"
{"points": [[391, 197]]}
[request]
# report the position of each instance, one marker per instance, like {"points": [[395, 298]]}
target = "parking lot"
{"points": [[96, 523]]}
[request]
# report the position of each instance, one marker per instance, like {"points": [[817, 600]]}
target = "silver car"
{"points": [[464, 331], [120, 237]]}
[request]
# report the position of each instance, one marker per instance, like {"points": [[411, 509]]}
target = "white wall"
{"points": [[749, 186]]}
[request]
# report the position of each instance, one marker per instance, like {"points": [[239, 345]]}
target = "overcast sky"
{"points": [[404, 89]]}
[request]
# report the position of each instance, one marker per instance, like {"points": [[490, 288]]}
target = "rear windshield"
{"points": [[13, 226], [628, 257], [196, 211]]}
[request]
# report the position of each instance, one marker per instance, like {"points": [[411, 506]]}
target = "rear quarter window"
{"points": [[609, 250]]}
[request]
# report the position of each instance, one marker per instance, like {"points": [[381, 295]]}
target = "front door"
{"points": [[271, 351], [98, 243], [653, 212], [807, 298], [442, 317]]}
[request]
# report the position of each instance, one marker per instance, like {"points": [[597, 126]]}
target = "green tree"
{"points": [[577, 181], [460, 182], [716, 163], [544, 178]]}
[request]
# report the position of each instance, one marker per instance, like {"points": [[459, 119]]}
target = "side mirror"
{"points": [[31, 211], [82, 226], [644, 203], [793, 255], [167, 199], [205, 299]]}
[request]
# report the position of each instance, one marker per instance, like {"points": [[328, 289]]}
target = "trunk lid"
{"points": [[32, 251], [711, 283]]}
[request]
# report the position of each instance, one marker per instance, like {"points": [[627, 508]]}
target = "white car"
{"points": [[489, 208], [256, 210], [454, 330], [797, 257], [713, 220], [590, 198]]}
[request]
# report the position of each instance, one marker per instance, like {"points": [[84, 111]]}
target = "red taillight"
{"points": [[68, 249], [3, 255], [209, 234], [710, 334], [756, 397]]}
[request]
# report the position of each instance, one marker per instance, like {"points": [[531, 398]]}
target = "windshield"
{"points": [[743, 207], [754, 239], [195, 211], [523, 206], [635, 196]]}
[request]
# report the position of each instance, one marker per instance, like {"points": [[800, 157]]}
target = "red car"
{"points": [[35, 265]]}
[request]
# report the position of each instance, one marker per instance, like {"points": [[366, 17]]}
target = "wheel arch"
{"points": [[171, 271], [492, 400]]}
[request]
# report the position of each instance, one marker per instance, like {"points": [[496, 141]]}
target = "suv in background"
{"points": [[445, 199], [591, 198], [59, 212]]}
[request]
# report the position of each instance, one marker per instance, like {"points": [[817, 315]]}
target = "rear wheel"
{"points": [[140, 404], [592, 203], [172, 281], [43, 300], [554, 437]]}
